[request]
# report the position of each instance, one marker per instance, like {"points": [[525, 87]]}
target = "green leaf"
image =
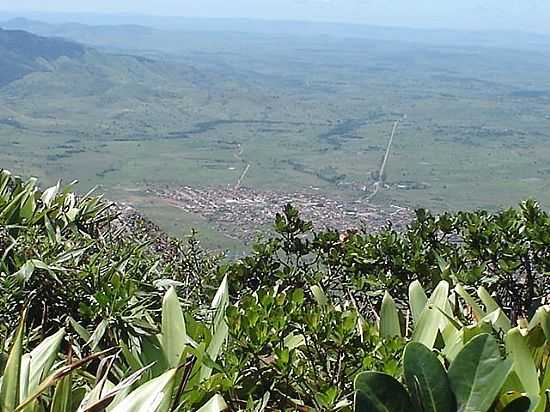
{"points": [[389, 318], [542, 318], [378, 392], [431, 319], [98, 334], [61, 401], [153, 396], [79, 329], [478, 373], [523, 362], [319, 295], [49, 194], [25, 273], [470, 301], [174, 335], [490, 304], [41, 360], [503, 323], [56, 376], [110, 397], [427, 380], [417, 299], [220, 328], [215, 404], [9, 392]]}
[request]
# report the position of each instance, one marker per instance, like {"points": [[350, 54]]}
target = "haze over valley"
{"points": [[354, 122]]}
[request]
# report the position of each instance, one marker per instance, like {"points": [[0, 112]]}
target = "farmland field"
{"points": [[301, 112]]}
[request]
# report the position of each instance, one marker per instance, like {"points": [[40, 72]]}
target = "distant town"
{"points": [[242, 212]]}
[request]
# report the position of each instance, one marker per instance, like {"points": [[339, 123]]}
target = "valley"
{"points": [[276, 115]]}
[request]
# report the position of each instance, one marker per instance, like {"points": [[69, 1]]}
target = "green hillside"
{"points": [[22, 53], [301, 114]]}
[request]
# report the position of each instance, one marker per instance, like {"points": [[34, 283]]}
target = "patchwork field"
{"points": [[297, 113]]}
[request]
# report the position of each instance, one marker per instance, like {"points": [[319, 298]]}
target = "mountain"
{"points": [[22, 53], [54, 86], [114, 37], [171, 34]]}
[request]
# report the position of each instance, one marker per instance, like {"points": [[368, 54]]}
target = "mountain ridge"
{"points": [[21, 53], [157, 30]]}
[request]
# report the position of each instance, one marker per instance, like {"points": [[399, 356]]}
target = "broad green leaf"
{"points": [[24, 380], [9, 392], [417, 299], [43, 357], [454, 341], [491, 305], [431, 319], [378, 392], [221, 299], [545, 387], [478, 373], [215, 404], [9, 212], [49, 194], [427, 380], [28, 206], [294, 340], [470, 301], [61, 401], [98, 334], [56, 376], [174, 335], [153, 396], [389, 318], [498, 320], [542, 318], [319, 295], [25, 273], [110, 397], [220, 328], [523, 362], [80, 330]]}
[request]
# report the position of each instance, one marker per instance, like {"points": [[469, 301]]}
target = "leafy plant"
{"points": [[472, 383]]}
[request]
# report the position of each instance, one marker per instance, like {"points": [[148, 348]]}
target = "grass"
{"points": [[318, 108]]}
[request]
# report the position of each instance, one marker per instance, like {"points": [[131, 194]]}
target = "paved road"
{"points": [[237, 156], [380, 180]]}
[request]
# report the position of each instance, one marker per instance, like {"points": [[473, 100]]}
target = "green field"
{"points": [[307, 111]]}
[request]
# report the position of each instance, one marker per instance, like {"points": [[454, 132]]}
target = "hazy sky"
{"points": [[532, 15]]}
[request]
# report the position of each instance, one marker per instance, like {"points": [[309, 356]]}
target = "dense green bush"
{"points": [[507, 252], [125, 310], [301, 352], [61, 254]]}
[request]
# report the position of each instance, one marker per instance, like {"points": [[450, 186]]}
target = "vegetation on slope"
{"points": [[21, 52], [98, 313]]}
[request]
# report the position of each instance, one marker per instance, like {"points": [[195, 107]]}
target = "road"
{"points": [[380, 180], [237, 156]]}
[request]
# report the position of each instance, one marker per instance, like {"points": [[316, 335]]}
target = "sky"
{"points": [[527, 15]]}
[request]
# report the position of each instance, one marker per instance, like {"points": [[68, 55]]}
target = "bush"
{"points": [[128, 311]]}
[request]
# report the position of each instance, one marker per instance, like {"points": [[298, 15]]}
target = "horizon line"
{"points": [[20, 14]]}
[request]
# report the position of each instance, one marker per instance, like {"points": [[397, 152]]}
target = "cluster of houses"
{"points": [[243, 212]]}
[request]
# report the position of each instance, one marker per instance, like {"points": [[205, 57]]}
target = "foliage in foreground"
{"points": [[492, 366], [159, 372], [112, 314]]}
